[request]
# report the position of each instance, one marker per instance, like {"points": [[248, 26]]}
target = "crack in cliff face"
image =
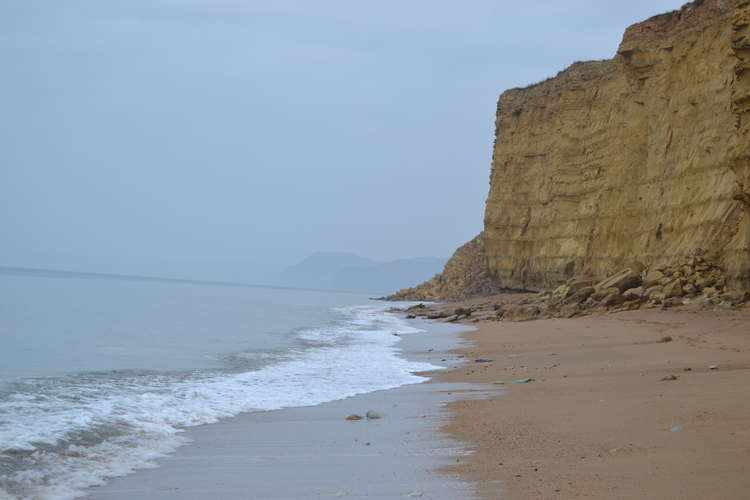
{"points": [[606, 152]]}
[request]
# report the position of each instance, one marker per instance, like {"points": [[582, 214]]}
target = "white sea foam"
{"points": [[61, 435]]}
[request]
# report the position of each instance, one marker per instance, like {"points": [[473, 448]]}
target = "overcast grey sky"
{"points": [[205, 138]]}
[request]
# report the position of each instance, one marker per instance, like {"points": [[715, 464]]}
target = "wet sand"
{"points": [[601, 418], [313, 452]]}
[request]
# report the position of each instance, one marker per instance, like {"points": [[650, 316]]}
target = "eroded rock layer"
{"points": [[642, 158]]}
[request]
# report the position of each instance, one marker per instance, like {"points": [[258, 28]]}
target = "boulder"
{"points": [[735, 297], [721, 282], [671, 271], [633, 304], [522, 313], [637, 267], [625, 279], [652, 278], [439, 314], [577, 285], [570, 310], [634, 293], [673, 289], [613, 299], [688, 289], [462, 312], [580, 296], [654, 291], [672, 302], [600, 294], [710, 291], [485, 317], [705, 282]]}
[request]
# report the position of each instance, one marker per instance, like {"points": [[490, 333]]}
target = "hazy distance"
{"points": [[226, 139]]}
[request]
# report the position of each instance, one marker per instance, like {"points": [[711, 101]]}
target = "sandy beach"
{"points": [[641, 404]]}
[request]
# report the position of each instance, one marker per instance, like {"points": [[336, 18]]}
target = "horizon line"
{"points": [[64, 273]]}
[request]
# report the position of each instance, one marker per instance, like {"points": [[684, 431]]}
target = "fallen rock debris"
{"points": [[695, 280]]}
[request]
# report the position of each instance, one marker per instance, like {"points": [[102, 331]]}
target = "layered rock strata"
{"points": [[643, 158]]}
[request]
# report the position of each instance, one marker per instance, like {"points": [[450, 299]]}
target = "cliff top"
{"points": [[657, 29], [654, 30]]}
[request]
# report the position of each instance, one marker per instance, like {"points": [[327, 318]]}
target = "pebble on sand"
{"points": [[353, 416], [523, 381], [669, 377]]}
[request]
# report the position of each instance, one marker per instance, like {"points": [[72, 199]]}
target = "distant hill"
{"points": [[348, 271], [318, 270]]}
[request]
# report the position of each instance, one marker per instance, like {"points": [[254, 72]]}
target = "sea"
{"points": [[100, 375]]}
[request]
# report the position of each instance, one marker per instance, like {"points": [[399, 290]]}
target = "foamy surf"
{"points": [[61, 435]]}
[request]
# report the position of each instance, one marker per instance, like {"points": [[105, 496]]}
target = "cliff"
{"points": [[641, 158], [465, 275]]}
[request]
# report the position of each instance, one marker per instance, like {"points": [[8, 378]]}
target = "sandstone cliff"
{"points": [[642, 158], [465, 275]]}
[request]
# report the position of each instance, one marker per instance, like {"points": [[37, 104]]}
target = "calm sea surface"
{"points": [[98, 377]]}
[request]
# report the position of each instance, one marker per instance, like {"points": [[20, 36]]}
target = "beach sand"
{"points": [[598, 421], [313, 452]]}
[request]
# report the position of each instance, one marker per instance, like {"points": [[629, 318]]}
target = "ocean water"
{"points": [[99, 377]]}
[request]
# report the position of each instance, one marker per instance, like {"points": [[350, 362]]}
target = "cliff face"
{"points": [[642, 158], [465, 275]]}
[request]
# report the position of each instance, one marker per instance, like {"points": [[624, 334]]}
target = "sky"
{"points": [[223, 139]]}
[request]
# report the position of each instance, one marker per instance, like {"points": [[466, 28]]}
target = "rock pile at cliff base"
{"points": [[693, 281]]}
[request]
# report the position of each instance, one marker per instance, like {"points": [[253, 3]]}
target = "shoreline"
{"points": [[621, 406], [313, 452]]}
